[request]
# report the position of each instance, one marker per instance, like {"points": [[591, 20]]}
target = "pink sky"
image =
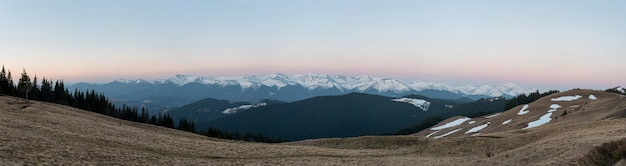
{"points": [[569, 44]]}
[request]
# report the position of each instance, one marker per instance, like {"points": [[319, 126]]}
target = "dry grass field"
{"points": [[38, 133]]}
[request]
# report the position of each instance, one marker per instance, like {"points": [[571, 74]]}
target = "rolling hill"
{"points": [[561, 108], [39, 133]]}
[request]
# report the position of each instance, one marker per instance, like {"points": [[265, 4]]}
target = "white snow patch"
{"points": [[471, 122], [553, 107], [451, 124], [567, 98], [477, 128], [419, 103], [491, 116], [507, 121], [243, 107], [446, 134], [433, 133], [543, 119], [523, 110], [592, 97], [494, 99]]}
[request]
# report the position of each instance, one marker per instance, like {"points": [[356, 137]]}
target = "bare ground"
{"points": [[37, 133]]}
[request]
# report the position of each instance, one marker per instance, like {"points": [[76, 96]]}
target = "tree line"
{"points": [[525, 99], [56, 92]]}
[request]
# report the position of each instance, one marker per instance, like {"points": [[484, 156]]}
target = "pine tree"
{"points": [[11, 86], [46, 91], [182, 124], [168, 121], [145, 117], [35, 91], [24, 85], [4, 82], [60, 94]]}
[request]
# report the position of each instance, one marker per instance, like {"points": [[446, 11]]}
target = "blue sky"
{"points": [[561, 44]]}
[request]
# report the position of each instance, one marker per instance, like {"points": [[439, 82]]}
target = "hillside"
{"points": [[322, 117], [569, 107], [350, 115], [49, 134], [593, 129]]}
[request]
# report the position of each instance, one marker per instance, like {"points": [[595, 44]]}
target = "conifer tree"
{"points": [[46, 90], [145, 117], [11, 86], [35, 91], [24, 85], [60, 94], [4, 82]]}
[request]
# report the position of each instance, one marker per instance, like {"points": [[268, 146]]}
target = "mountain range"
{"points": [[160, 95]]}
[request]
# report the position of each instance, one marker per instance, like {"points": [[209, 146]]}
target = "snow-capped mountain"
{"points": [[339, 82], [183, 89]]}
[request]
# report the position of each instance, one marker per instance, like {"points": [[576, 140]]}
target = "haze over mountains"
{"points": [[183, 89]]}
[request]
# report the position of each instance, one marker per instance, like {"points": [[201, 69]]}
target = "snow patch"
{"points": [[243, 107], [553, 107], [419, 103], [433, 133], [446, 134], [592, 97], [491, 116], [451, 124], [471, 122], [523, 110], [567, 98], [543, 119], [507, 121], [477, 128], [495, 99]]}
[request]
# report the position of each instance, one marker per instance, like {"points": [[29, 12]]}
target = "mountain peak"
{"points": [[344, 83], [300, 86]]}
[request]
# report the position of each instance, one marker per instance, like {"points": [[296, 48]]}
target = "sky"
{"points": [[559, 44]]}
